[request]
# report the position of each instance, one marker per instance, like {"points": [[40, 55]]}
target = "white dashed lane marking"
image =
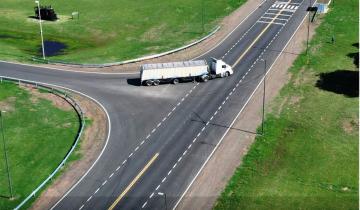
{"points": [[211, 118]]}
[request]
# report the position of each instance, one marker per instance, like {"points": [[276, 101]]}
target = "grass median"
{"points": [[308, 158], [39, 130], [108, 31]]}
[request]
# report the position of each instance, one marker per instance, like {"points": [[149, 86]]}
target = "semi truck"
{"points": [[174, 72]]}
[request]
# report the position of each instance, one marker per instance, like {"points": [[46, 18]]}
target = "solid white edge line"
{"points": [[211, 154], [107, 139], [109, 121], [66, 70], [211, 49]]}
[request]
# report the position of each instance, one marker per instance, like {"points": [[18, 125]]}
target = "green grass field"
{"points": [[308, 158], [109, 31], [38, 136]]}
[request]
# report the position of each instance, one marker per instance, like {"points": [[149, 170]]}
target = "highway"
{"points": [[161, 136]]}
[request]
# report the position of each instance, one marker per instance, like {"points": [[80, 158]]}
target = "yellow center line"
{"points": [[258, 37], [133, 181]]}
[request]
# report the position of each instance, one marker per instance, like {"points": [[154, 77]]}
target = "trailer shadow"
{"points": [[134, 81], [344, 82], [137, 81]]}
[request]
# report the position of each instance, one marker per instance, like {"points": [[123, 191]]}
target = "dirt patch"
{"points": [[8, 104], [298, 80], [61, 19], [306, 77], [91, 145], [294, 100], [153, 34], [349, 126], [201, 195], [57, 101], [278, 108]]}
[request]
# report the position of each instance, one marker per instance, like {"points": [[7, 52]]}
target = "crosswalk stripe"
{"points": [[285, 15], [259, 21], [281, 19]]}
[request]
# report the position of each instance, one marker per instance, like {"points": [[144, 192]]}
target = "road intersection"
{"points": [[162, 136]]}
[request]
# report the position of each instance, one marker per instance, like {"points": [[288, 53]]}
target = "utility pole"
{"points": [[5, 154], [202, 16], [263, 101], [41, 32], [308, 29], [164, 195]]}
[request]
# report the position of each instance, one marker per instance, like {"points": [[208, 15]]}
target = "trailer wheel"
{"points": [[148, 82], [227, 74], [175, 81], [205, 78], [156, 82]]}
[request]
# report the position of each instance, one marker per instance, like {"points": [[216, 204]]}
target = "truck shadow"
{"points": [[137, 81], [344, 82], [134, 81]]}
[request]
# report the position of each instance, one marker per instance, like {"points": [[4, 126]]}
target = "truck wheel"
{"points": [[156, 82], [227, 74], [205, 78], [148, 82], [175, 81]]}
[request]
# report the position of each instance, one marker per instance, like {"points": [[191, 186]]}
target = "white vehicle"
{"points": [[153, 74]]}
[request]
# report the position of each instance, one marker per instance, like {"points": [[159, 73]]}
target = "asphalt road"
{"points": [[161, 136]]}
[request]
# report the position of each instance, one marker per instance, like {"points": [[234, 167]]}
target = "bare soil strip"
{"points": [[234, 147], [94, 136], [91, 144]]}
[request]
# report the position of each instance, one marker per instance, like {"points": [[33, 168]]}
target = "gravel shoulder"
{"points": [[202, 195], [91, 144], [94, 139]]}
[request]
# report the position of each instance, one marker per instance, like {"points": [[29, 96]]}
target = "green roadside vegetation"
{"points": [[38, 134], [308, 158], [108, 31]]}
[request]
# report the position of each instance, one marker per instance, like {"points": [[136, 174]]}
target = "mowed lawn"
{"points": [[111, 30], [308, 158], [38, 135]]}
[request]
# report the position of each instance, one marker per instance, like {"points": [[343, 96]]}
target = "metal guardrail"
{"points": [[66, 96], [127, 61]]}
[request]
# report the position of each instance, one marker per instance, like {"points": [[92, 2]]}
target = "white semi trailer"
{"points": [[153, 74]]}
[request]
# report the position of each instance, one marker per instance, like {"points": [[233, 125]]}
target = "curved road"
{"points": [[161, 136]]}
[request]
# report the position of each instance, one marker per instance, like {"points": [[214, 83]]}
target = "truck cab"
{"points": [[220, 68]]}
